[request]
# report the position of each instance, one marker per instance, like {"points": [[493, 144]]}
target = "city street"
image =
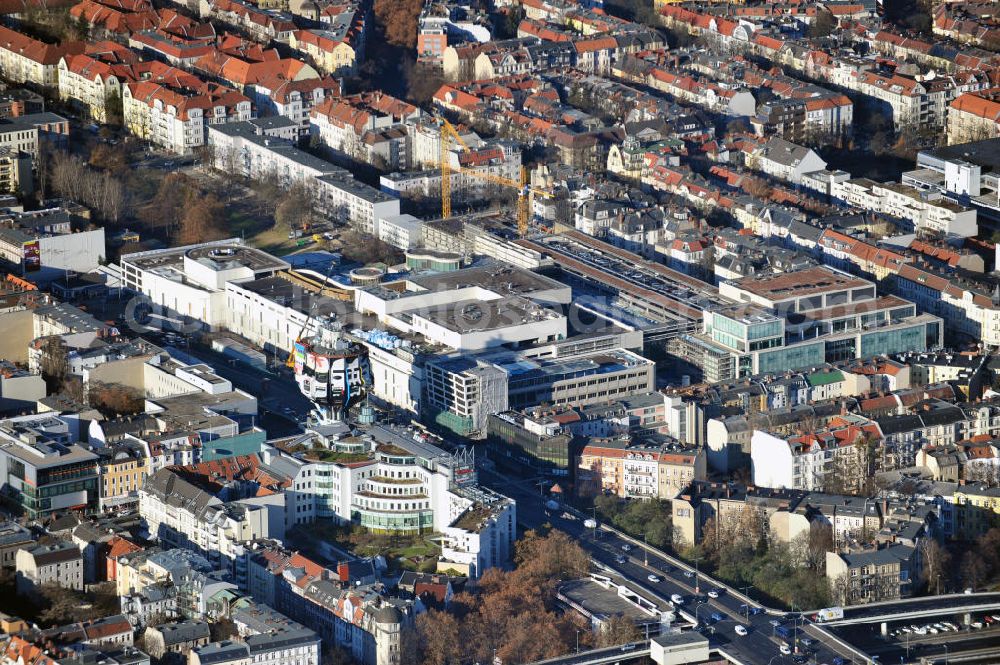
{"points": [[760, 645]]}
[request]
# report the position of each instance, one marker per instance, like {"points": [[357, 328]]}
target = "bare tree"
{"points": [[617, 630], [936, 563]]}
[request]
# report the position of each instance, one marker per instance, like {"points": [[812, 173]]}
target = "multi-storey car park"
{"points": [[672, 301]]}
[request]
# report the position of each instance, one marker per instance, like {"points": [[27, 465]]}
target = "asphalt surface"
{"points": [[760, 645], [933, 647], [929, 603]]}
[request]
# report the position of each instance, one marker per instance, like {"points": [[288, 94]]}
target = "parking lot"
{"points": [[927, 640]]}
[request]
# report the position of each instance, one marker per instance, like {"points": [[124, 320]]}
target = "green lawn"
{"points": [[409, 552]]}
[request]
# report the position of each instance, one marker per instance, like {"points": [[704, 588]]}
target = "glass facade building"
{"points": [[799, 319], [515, 448]]}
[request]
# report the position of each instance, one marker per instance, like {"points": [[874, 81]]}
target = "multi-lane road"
{"points": [[605, 547], [760, 644]]}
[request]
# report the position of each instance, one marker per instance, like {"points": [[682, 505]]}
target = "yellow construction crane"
{"points": [[449, 134]]}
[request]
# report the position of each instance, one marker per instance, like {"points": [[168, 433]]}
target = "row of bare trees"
{"points": [[72, 178], [185, 211]]}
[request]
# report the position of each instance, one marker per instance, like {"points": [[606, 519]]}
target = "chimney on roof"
{"points": [[343, 572]]}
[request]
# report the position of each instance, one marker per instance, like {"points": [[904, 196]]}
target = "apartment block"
{"points": [[872, 576], [59, 563]]}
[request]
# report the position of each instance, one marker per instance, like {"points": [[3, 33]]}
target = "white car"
{"points": [[933, 631], [626, 547], [741, 630], [653, 578], [920, 631], [785, 649], [713, 594], [676, 599], [976, 624]]}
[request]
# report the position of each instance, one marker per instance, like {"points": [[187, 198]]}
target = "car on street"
{"points": [[837, 660], [717, 617], [653, 578], [688, 573], [754, 611], [785, 649], [626, 547], [713, 593], [800, 658], [741, 630], [677, 599], [775, 622], [628, 647], [621, 558]]}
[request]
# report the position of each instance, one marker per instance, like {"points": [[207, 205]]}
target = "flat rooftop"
{"points": [[598, 600], [605, 362], [223, 255], [466, 316], [502, 279], [198, 410], [984, 153], [879, 304], [282, 292], [674, 295], [226, 257], [747, 313], [810, 281]]}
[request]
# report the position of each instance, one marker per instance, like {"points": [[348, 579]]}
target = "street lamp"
{"points": [[746, 592], [696, 588], [578, 640], [696, 608], [945, 653], [795, 628]]}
